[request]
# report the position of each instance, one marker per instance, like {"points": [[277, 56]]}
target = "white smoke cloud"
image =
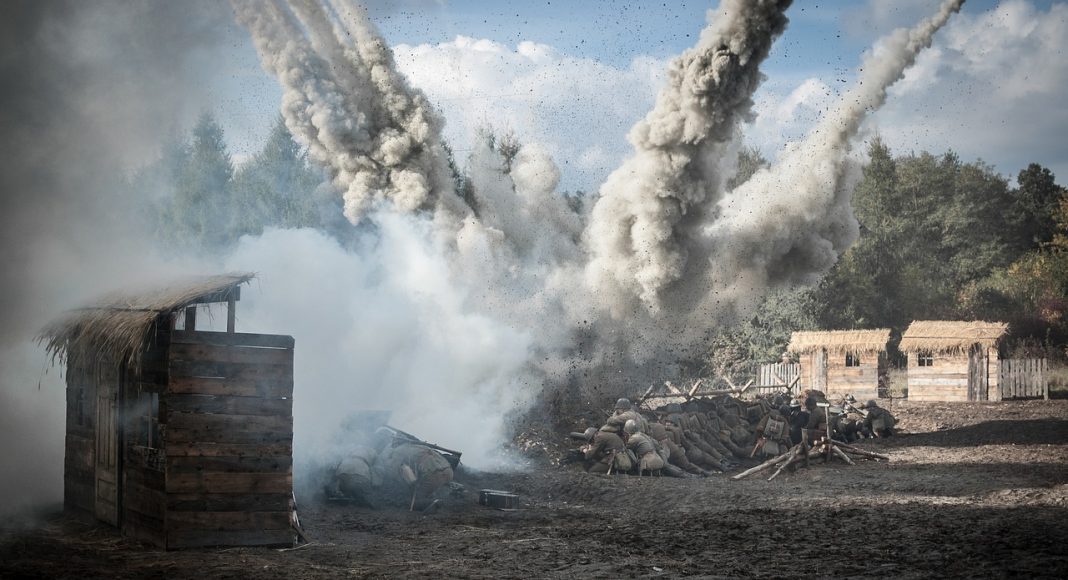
{"points": [[385, 327]]}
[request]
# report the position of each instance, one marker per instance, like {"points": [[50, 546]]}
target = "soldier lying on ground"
{"points": [[879, 422]]}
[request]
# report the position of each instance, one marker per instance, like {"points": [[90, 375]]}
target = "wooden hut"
{"points": [[842, 362], [953, 361], [178, 436]]}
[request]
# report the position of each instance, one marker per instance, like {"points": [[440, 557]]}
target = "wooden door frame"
{"points": [[112, 396]]}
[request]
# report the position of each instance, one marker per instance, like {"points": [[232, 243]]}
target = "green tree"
{"points": [[1034, 204], [201, 211], [276, 187]]}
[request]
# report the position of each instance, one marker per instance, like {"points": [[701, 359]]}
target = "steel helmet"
{"points": [[631, 426], [623, 404], [871, 404], [589, 433]]}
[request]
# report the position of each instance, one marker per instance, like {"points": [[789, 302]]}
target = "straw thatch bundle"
{"points": [[839, 341], [951, 336], [122, 324]]}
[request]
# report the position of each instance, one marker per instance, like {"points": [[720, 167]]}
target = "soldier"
{"points": [[644, 448], [623, 412], [773, 432], [415, 466], [879, 422], [676, 455], [606, 452], [798, 419], [674, 423], [354, 476]]}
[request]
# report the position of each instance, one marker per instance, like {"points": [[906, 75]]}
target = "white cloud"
{"points": [[992, 87], [579, 109]]}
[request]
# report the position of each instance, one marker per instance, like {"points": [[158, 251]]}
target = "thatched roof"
{"points": [[839, 341], [122, 323], [950, 335]]}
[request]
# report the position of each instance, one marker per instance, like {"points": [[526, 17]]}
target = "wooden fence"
{"points": [[772, 378], [1024, 378]]}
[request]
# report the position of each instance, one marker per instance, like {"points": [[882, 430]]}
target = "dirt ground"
{"points": [[972, 490]]}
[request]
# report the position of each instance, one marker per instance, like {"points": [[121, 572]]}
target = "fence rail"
{"points": [[1024, 378]]}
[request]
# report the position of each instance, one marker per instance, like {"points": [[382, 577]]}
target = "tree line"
{"points": [[939, 238]]}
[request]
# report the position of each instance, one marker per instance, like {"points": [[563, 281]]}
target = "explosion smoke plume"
{"points": [[664, 245], [380, 138]]}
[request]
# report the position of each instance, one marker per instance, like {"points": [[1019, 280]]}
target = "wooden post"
{"points": [[190, 318], [231, 314]]}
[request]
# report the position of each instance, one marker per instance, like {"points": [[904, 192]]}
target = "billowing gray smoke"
{"points": [[665, 243], [641, 230], [789, 222], [346, 102]]}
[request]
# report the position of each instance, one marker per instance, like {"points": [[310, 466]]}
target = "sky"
{"points": [[575, 76]]}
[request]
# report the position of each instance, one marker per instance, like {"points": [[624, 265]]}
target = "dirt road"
{"points": [[971, 490]]}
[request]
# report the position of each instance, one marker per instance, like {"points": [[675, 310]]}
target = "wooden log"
{"points": [[841, 454], [858, 451], [766, 464], [794, 458]]}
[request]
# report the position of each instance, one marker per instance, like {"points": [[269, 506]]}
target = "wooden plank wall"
{"points": [[945, 380], [79, 459], [228, 417], [1024, 378], [144, 493], [861, 381]]}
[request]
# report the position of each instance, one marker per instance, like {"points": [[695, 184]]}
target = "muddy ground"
{"points": [[975, 490]]}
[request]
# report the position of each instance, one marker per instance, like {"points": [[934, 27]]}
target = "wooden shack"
{"points": [[178, 436], [842, 362], [953, 360]]}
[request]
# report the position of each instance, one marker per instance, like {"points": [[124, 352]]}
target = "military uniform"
{"points": [[879, 421], [643, 446], [605, 450], [414, 466]]}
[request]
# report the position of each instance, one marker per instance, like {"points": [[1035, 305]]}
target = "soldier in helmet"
{"points": [[623, 412], [798, 419], [605, 452], [879, 422], [643, 446]]}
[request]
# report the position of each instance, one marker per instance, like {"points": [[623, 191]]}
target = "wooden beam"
{"points": [[190, 318], [231, 314]]}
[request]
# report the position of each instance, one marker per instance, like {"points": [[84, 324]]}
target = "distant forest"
{"points": [[939, 238]]}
